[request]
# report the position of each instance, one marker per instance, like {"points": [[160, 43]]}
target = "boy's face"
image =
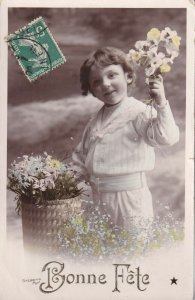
{"points": [[109, 84]]}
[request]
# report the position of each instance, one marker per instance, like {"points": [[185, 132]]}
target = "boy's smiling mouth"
{"points": [[109, 93]]}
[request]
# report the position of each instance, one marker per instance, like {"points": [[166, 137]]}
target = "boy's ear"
{"points": [[128, 78]]}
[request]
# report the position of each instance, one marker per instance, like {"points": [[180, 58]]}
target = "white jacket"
{"points": [[119, 139]]}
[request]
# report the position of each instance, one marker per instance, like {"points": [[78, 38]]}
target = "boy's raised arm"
{"points": [[157, 127]]}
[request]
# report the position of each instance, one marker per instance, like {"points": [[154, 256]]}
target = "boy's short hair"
{"points": [[101, 58]]}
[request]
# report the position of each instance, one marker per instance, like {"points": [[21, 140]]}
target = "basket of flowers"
{"points": [[47, 192]]}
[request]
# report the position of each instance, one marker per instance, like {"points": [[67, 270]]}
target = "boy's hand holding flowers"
{"points": [[156, 90], [156, 54]]}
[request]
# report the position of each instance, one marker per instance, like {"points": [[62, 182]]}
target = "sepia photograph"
{"points": [[98, 118]]}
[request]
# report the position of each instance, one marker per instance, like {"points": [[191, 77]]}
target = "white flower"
{"points": [[48, 158], [49, 183], [34, 169], [153, 67], [39, 184], [47, 173], [167, 60], [174, 54], [25, 157], [42, 185], [167, 34], [150, 71], [172, 50], [143, 45], [36, 184], [50, 172], [24, 183], [172, 41], [22, 164]]}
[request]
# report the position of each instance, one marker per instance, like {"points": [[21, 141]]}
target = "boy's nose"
{"points": [[106, 82]]}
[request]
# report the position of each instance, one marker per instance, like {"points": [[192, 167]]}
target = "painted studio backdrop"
{"points": [[50, 113]]}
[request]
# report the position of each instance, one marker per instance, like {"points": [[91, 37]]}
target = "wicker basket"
{"points": [[42, 225]]}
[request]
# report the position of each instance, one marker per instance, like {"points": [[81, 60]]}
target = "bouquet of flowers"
{"points": [[157, 53], [41, 178]]}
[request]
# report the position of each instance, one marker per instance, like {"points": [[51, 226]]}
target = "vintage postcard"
{"points": [[97, 149]]}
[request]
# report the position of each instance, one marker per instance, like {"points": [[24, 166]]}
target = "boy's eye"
{"points": [[111, 75]]}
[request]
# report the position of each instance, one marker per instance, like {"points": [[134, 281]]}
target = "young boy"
{"points": [[117, 145]]}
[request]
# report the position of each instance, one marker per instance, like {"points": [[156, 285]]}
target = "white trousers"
{"points": [[123, 206]]}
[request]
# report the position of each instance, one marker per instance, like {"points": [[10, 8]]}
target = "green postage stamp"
{"points": [[35, 49]]}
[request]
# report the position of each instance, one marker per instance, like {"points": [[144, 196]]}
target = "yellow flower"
{"points": [[54, 163], [165, 68], [176, 40], [136, 56], [153, 34]]}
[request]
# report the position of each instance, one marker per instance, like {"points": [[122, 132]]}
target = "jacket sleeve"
{"points": [[157, 126]]}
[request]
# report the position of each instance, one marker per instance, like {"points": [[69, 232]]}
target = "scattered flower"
{"points": [[91, 235]]}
